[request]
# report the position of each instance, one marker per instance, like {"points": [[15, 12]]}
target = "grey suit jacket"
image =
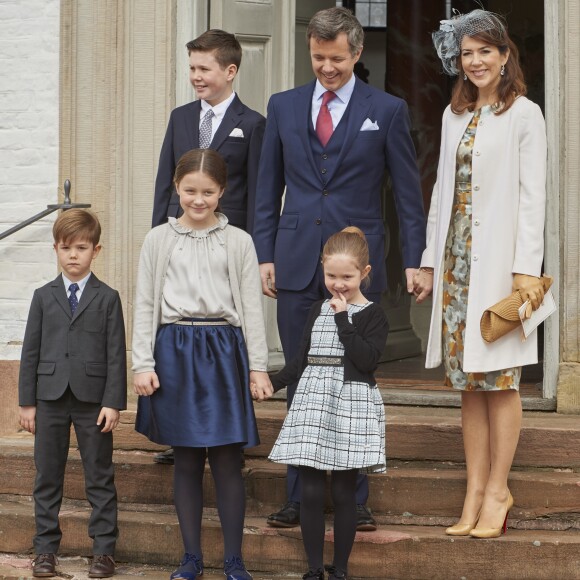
{"points": [[86, 351]]}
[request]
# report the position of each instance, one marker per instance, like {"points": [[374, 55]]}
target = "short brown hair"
{"points": [[77, 224], [329, 23], [225, 46], [511, 84], [352, 242]]}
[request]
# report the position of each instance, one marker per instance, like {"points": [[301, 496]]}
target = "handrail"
{"points": [[49, 209]]}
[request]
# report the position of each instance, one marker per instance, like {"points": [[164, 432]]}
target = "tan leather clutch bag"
{"points": [[503, 317]]}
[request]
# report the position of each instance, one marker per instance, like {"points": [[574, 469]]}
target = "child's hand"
{"points": [[145, 384], [27, 418], [338, 304], [260, 385], [111, 418]]}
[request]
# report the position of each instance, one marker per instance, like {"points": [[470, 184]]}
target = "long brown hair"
{"points": [[511, 84]]}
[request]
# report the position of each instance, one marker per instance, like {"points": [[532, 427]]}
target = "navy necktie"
{"points": [[72, 299]]}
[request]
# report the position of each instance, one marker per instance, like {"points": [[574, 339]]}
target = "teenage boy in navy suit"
{"points": [[231, 128], [235, 131], [73, 370]]}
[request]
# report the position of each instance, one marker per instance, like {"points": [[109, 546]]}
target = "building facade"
{"points": [[86, 94]]}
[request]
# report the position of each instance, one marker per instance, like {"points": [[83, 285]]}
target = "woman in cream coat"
{"points": [[484, 240]]}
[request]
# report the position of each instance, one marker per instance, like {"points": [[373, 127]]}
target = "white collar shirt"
{"points": [[219, 112], [337, 106]]}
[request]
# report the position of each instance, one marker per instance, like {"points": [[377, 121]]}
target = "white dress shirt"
{"points": [[337, 106], [219, 112], [82, 283]]}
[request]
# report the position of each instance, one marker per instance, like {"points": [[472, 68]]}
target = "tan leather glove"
{"points": [[530, 287]]}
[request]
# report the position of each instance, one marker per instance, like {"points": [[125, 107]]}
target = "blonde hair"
{"points": [[351, 241]]}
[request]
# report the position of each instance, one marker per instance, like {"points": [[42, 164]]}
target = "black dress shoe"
{"points": [[44, 566], [335, 573], [103, 566], [364, 519], [314, 575], [287, 517], [165, 457]]}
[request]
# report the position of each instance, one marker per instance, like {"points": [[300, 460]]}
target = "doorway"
{"points": [[399, 58]]}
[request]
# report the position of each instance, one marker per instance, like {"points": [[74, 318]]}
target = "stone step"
{"points": [[425, 493], [417, 434], [416, 552]]}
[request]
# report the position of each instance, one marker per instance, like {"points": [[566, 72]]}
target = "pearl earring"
{"points": [[464, 76], [502, 71]]}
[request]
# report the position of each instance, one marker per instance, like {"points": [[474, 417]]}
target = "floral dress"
{"points": [[456, 271]]}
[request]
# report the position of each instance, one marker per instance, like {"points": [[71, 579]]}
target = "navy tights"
{"points": [[343, 487], [225, 466]]}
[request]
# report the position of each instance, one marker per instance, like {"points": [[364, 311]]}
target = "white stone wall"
{"points": [[29, 85]]}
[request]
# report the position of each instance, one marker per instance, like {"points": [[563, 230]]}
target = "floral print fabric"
{"points": [[456, 272]]}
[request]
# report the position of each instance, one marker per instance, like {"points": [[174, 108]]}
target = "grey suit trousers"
{"points": [[53, 422]]}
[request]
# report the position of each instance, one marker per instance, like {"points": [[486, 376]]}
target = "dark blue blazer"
{"points": [[241, 154], [318, 204]]}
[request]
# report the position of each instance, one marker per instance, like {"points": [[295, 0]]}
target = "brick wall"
{"points": [[29, 84]]}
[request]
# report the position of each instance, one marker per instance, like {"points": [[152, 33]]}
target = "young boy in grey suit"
{"points": [[73, 371]]}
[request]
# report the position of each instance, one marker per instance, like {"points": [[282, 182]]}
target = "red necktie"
{"points": [[324, 127]]}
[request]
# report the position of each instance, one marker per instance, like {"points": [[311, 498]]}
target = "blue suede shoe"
{"points": [[234, 569], [190, 568]]}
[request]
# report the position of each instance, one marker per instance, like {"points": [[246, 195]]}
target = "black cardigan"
{"points": [[363, 341]]}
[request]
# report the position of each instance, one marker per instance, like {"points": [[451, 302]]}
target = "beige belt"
{"points": [[202, 322]]}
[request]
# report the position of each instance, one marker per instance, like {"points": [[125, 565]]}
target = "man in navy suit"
{"points": [[217, 120], [330, 153], [232, 129]]}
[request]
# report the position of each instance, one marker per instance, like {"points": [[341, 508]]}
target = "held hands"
{"points": [[338, 303], [145, 384], [27, 418], [111, 418], [422, 283], [268, 277], [530, 288], [260, 386]]}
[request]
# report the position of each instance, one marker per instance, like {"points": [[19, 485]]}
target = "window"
{"points": [[370, 13]]}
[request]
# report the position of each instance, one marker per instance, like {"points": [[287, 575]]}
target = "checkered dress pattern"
{"points": [[332, 423]]}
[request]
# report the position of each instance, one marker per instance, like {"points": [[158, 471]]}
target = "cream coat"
{"points": [[509, 197]]}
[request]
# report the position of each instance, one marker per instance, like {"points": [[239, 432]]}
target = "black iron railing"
{"points": [[49, 209]]}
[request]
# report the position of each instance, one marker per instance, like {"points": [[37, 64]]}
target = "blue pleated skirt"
{"points": [[204, 399]]}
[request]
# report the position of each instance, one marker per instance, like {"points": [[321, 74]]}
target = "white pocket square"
{"points": [[237, 132], [369, 125]]}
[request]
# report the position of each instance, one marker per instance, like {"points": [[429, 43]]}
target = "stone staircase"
{"points": [[421, 493]]}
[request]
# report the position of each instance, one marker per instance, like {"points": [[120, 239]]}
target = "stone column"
{"points": [[569, 372]]}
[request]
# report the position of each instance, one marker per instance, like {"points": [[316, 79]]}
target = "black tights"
{"points": [[224, 462], [343, 487]]}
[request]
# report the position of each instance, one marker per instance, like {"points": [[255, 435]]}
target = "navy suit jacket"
{"points": [[314, 211], [86, 351], [241, 154]]}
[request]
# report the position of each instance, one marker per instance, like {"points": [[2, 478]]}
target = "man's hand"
{"points": [[145, 384], [260, 385], [27, 418], [530, 288], [110, 417], [268, 276], [410, 274]]}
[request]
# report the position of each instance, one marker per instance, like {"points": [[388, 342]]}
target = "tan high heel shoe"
{"points": [[462, 529], [494, 532]]}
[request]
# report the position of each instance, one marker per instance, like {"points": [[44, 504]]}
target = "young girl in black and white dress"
{"points": [[336, 421], [198, 343]]}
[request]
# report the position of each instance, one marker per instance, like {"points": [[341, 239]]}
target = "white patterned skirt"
{"points": [[333, 424]]}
